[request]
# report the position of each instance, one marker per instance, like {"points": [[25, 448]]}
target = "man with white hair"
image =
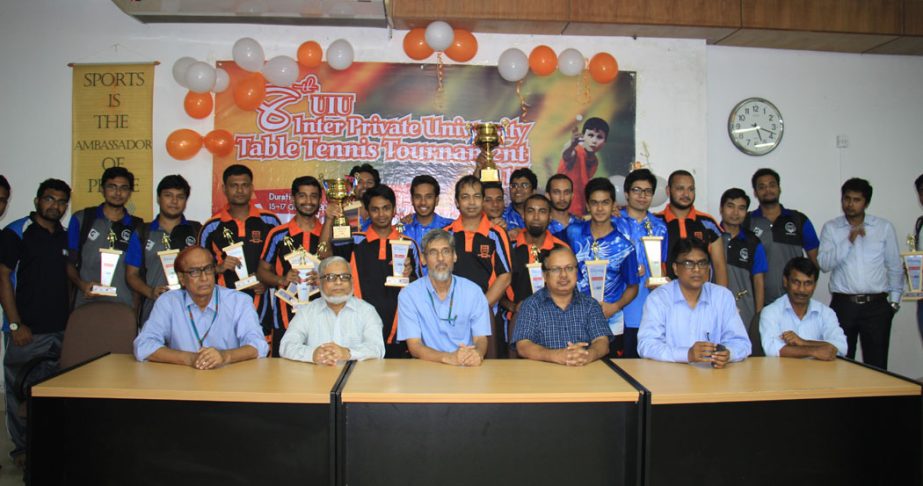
{"points": [[336, 327]]}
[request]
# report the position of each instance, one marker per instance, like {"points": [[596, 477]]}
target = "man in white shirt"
{"points": [[336, 327]]}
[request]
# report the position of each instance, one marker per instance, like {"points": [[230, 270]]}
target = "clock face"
{"points": [[755, 126]]}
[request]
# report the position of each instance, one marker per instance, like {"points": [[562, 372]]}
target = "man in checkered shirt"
{"points": [[558, 324]]}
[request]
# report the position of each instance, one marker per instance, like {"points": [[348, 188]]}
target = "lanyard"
{"points": [[215, 316], [450, 319]]}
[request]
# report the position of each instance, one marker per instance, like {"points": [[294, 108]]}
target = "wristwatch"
{"points": [[895, 306], [14, 326]]}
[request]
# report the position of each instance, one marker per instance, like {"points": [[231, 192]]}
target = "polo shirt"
{"points": [[634, 231], [415, 230], [557, 229], [696, 224], [483, 254], [544, 323], [789, 236], [522, 256], [443, 324], [38, 260], [513, 218], [274, 252], [745, 259], [97, 238]]}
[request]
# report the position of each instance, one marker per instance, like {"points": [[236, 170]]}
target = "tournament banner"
{"points": [[384, 114], [112, 120]]}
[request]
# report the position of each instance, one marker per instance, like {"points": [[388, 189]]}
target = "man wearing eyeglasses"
{"points": [[558, 324], [204, 325], [691, 320], [338, 326], [522, 185], [443, 317]]}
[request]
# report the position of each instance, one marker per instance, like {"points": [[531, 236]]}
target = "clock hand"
{"points": [[758, 134]]}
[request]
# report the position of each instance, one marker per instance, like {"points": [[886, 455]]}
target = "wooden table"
{"points": [[118, 421], [506, 422], [779, 421]]}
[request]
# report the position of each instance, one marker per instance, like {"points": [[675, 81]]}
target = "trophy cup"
{"points": [[653, 249], [338, 190], [596, 271], [487, 136], [108, 260], [244, 279], [299, 259], [913, 268], [399, 250], [168, 262], [536, 280]]}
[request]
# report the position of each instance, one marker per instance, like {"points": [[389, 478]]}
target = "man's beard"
{"points": [[336, 299], [441, 276], [535, 231], [678, 205]]}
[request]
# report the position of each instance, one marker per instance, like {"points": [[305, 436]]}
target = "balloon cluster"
{"points": [[184, 144], [459, 44], [513, 64]]}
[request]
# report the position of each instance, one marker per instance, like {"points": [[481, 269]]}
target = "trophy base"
{"points": [[489, 174], [657, 281], [285, 297], [174, 286], [912, 296], [393, 281], [104, 291], [342, 233], [246, 283]]}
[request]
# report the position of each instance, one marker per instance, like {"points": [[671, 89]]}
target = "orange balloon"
{"points": [[250, 91], [183, 144], [464, 47], [543, 61], [310, 54], [219, 142], [604, 68], [198, 105], [415, 44]]}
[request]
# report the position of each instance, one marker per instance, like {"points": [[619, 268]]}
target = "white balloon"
{"points": [[513, 65], [660, 195], [200, 77], [340, 54], [248, 54], [439, 35], [619, 182], [571, 62], [281, 71], [222, 80], [179, 69]]}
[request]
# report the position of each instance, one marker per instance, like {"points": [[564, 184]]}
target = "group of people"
{"points": [[497, 281]]}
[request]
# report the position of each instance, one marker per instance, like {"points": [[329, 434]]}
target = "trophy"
{"points": [[653, 248], [168, 263], [245, 280], [487, 136], [299, 259], [913, 268], [108, 260], [338, 190], [536, 280], [596, 271], [399, 250]]}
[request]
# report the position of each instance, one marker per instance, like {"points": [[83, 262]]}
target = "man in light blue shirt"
{"points": [[202, 325], [690, 320], [797, 326], [443, 317]]}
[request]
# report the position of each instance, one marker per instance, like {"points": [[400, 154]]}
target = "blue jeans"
{"points": [[13, 362]]}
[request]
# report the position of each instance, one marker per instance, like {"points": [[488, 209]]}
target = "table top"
{"points": [[259, 380], [759, 379], [495, 381]]}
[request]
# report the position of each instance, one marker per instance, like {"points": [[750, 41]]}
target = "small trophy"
{"points": [[245, 280], [596, 271], [653, 248], [168, 262], [399, 251], [487, 136], [108, 260], [299, 259], [913, 268], [338, 190], [536, 280]]}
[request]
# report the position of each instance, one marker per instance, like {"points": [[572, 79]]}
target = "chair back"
{"points": [[97, 328]]}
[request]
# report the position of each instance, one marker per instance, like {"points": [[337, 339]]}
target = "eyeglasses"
{"points": [[117, 188], [520, 185], [690, 264], [333, 277], [637, 191], [196, 272], [555, 271], [444, 253]]}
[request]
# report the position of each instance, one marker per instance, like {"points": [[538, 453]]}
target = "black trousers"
{"points": [[631, 343], [871, 322]]}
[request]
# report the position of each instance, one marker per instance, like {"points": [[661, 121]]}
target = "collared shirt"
{"points": [[521, 284], [621, 271], [443, 324], [415, 230], [541, 321], [789, 236], [357, 327], [557, 228], [274, 252], [696, 224], [513, 218], [745, 259], [635, 230], [869, 265], [670, 327], [228, 322], [97, 238], [483, 254], [819, 324]]}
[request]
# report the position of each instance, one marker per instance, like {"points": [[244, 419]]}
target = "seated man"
{"points": [[559, 324], [691, 320], [797, 326], [203, 325], [336, 327], [443, 317]]}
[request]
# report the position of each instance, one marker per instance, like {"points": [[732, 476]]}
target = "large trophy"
{"points": [[108, 260], [339, 190], [245, 280], [913, 268], [653, 248], [400, 248], [168, 263], [488, 136], [596, 271]]}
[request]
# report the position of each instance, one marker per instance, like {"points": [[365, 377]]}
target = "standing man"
{"points": [[684, 221], [635, 223], [599, 239], [240, 221], [494, 205], [366, 177], [424, 193], [866, 274], [302, 232], [746, 263], [522, 185], [560, 190], [35, 295], [170, 230], [785, 233], [108, 225]]}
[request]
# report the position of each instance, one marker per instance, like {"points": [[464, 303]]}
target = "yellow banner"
{"points": [[112, 120]]}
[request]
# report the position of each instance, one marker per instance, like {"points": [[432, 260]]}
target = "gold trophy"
{"points": [[108, 260], [338, 190], [168, 262], [487, 136], [400, 248], [913, 269], [653, 249]]}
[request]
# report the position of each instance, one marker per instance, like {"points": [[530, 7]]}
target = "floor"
{"points": [[9, 474]]}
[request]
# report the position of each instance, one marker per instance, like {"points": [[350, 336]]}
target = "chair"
{"points": [[97, 328]]}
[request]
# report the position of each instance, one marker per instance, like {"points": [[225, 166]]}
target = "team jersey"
{"points": [[274, 252], [483, 254], [635, 230], [522, 256], [696, 224], [789, 236]]}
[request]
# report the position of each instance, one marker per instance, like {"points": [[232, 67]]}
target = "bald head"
{"points": [[193, 253]]}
